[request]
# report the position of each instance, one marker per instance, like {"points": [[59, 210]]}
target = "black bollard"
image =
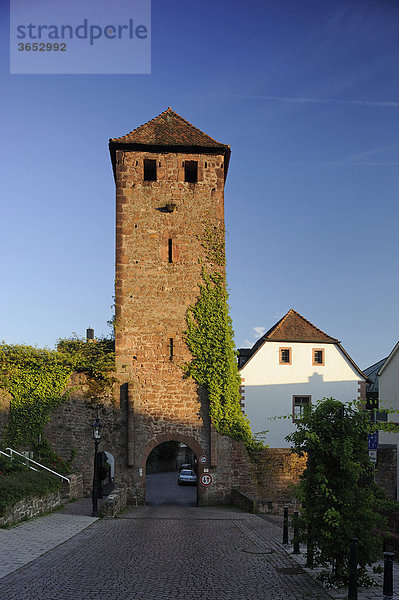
{"points": [[353, 554], [388, 575], [285, 526], [309, 548], [296, 532]]}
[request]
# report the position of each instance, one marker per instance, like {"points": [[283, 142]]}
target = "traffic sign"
{"points": [[203, 459], [373, 456], [373, 441], [206, 479]]}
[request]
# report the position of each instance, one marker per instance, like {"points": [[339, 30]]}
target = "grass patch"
{"points": [[18, 482]]}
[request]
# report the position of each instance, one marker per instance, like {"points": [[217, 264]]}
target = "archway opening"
{"points": [[105, 473], [171, 475]]}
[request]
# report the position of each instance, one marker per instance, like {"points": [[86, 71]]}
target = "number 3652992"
{"points": [[42, 47]]}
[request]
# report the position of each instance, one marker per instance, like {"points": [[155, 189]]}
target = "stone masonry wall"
{"points": [[159, 259], [277, 471], [386, 471], [69, 430], [31, 507]]}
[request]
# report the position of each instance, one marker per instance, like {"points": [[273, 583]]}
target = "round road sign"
{"points": [[203, 459], [206, 479]]}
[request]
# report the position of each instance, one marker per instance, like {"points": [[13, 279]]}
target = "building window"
{"points": [[191, 171], [299, 403], [318, 356], [150, 169], [170, 250], [285, 356], [171, 348]]}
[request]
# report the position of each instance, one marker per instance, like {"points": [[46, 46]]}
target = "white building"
{"points": [[388, 392], [292, 365]]}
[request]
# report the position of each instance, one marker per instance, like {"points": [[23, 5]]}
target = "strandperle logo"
{"points": [[85, 31], [78, 37]]}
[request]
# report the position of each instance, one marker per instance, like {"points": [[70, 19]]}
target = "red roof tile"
{"points": [[169, 129], [295, 328]]}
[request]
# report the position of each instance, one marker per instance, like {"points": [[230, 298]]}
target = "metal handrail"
{"points": [[8, 456], [11, 451]]}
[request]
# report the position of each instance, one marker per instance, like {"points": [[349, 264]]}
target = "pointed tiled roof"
{"points": [[169, 129], [295, 328]]}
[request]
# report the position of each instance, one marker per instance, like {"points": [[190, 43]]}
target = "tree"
{"points": [[337, 487]]}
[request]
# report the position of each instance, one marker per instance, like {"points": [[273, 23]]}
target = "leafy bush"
{"points": [[21, 482], [340, 499], [10, 466]]}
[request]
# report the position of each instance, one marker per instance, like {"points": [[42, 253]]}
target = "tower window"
{"points": [[170, 250], [191, 171], [170, 348], [150, 169]]}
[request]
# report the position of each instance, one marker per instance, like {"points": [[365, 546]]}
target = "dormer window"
{"points": [[150, 169], [285, 356], [191, 171]]}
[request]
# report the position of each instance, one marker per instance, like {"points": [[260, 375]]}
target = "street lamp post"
{"points": [[96, 427]]}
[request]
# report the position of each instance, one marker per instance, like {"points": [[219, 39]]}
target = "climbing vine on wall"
{"points": [[209, 337], [37, 379]]}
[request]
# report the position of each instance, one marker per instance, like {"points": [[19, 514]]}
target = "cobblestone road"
{"points": [[167, 553]]}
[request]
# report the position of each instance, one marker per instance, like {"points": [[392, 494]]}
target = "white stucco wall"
{"points": [[388, 393], [270, 387], [389, 385]]}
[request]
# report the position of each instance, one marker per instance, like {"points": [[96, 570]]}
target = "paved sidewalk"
{"points": [[342, 593], [363, 594], [27, 541]]}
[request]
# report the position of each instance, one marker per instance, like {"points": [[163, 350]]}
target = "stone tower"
{"points": [[170, 180]]}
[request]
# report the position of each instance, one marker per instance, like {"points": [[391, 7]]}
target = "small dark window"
{"points": [[170, 348], [170, 250], [191, 171], [150, 169]]}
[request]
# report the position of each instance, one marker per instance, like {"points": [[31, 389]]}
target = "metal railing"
{"points": [[30, 460], [10, 457]]}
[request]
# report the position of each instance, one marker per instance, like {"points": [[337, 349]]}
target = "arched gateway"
{"points": [[169, 196]]}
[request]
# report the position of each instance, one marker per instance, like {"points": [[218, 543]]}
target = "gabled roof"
{"points": [[294, 328], [170, 130], [388, 360], [372, 373]]}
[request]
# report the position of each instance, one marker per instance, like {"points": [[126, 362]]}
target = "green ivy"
{"points": [[37, 379], [95, 359], [210, 338]]}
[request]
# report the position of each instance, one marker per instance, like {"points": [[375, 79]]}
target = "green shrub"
{"points": [[25, 483]]}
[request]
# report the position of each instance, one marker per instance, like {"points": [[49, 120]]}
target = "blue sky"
{"points": [[307, 96]]}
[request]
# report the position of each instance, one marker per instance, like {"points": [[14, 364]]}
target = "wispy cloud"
{"points": [[256, 333], [259, 330], [360, 158], [302, 100]]}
